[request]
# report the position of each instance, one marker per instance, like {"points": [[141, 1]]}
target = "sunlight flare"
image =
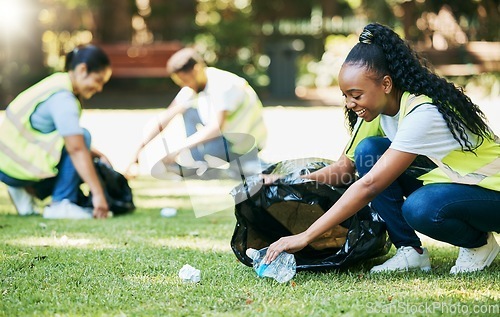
{"points": [[11, 15]]}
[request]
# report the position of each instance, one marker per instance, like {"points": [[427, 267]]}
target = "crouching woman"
{"points": [[43, 149]]}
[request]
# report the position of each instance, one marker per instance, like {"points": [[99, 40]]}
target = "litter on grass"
{"points": [[189, 274]]}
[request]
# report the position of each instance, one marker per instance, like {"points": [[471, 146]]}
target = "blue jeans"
{"points": [[388, 204], [454, 213], [65, 185], [218, 147]]}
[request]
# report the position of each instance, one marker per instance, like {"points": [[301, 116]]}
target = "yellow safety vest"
{"points": [[481, 168], [246, 119], [25, 153]]}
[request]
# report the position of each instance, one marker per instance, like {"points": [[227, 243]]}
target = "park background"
{"points": [[290, 51]]}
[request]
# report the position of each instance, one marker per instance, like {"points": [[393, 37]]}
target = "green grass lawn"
{"points": [[128, 266]]}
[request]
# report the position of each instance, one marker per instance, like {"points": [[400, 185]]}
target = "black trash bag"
{"points": [[290, 206], [116, 189]]}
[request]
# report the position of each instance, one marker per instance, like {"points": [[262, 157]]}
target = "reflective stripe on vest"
{"points": [[26, 153], [45, 145], [481, 168]]}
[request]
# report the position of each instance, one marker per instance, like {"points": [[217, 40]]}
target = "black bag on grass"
{"points": [[118, 192], [264, 213]]}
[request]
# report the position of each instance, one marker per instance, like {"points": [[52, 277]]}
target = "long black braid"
{"points": [[383, 52]]}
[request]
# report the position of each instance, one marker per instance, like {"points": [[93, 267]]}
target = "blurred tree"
{"points": [[237, 35], [379, 10], [226, 34], [265, 11], [172, 20], [113, 19], [477, 18], [21, 59], [488, 12], [234, 34]]}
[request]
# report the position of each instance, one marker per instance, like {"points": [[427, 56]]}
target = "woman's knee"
{"points": [[419, 210]]}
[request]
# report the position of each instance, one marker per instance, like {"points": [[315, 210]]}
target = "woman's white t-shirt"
{"points": [[423, 131]]}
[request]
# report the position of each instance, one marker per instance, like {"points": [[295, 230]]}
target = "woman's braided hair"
{"points": [[383, 52]]}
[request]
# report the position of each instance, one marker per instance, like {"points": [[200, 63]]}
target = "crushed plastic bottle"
{"points": [[190, 274], [282, 269]]}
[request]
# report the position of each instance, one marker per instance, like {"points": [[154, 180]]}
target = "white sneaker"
{"points": [[22, 201], [65, 209], [405, 259], [476, 259]]}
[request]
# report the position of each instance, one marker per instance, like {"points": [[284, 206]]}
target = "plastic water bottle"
{"points": [[282, 269]]}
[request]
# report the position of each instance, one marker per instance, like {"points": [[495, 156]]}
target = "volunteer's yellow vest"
{"points": [[246, 119], [481, 168], [26, 153]]}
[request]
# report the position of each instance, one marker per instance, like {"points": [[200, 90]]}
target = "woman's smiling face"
{"points": [[86, 84], [366, 95]]}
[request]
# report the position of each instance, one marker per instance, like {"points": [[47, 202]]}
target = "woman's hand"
{"points": [[290, 244], [135, 160], [131, 171], [101, 207], [133, 167]]}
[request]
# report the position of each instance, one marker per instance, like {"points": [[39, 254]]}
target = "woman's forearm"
{"points": [[337, 174]]}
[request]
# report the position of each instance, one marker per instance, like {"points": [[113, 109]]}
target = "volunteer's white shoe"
{"points": [[65, 209], [476, 259], [22, 201], [405, 259]]}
